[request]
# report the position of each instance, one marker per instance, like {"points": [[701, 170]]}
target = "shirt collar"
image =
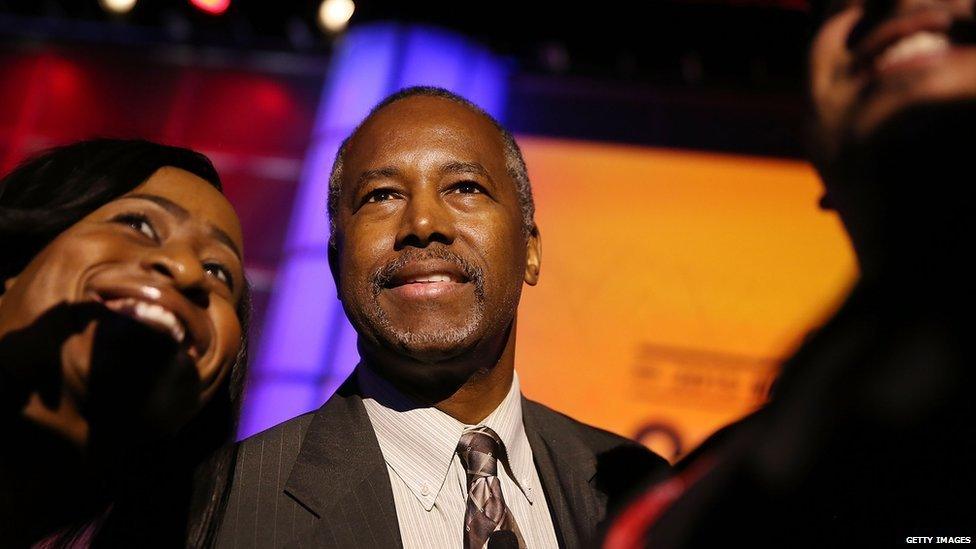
{"points": [[419, 442]]}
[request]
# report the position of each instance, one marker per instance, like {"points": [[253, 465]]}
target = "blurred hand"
{"points": [[30, 357], [142, 385]]}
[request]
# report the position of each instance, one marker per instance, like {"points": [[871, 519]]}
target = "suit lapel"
{"points": [[567, 469], [341, 477]]}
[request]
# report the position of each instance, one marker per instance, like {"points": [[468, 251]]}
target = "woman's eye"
{"points": [[219, 272], [140, 223]]}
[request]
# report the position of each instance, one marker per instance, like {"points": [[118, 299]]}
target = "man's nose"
{"points": [[180, 264], [426, 219]]}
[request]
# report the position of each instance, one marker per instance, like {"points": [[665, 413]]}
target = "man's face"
{"points": [[430, 249], [872, 59], [166, 254]]}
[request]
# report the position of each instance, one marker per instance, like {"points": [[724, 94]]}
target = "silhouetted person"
{"points": [[868, 436]]}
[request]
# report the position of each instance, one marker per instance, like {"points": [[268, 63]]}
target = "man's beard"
{"points": [[415, 343], [903, 190], [919, 138], [894, 136]]}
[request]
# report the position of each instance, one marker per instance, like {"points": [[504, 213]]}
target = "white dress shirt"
{"points": [[429, 482]]}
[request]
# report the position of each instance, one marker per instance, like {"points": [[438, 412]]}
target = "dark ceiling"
{"points": [[722, 75], [730, 43]]}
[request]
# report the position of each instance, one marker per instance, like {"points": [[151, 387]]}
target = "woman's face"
{"points": [[167, 254]]}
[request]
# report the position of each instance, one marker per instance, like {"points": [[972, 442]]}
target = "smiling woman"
{"points": [[123, 321]]}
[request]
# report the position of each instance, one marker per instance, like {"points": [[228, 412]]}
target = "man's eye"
{"points": [[138, 222], [467, 187], [380, 195], [220, 272]]}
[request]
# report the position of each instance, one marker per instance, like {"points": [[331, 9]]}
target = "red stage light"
{"points": [[63, 78], [213, 7]]}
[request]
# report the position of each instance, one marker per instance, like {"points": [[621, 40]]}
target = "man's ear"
{"points": [[533, 255], [334, 262]]}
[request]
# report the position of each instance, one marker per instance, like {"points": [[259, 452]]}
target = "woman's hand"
{"points": [[30, 357], [142, 386]]}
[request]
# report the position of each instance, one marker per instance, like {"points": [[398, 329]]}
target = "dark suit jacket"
{"points": [[319, 480]]}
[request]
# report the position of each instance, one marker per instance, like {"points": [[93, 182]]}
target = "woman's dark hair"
{"points": [[52, 191]]}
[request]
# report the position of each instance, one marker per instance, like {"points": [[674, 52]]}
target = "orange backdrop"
{"points": [[673, 283]]}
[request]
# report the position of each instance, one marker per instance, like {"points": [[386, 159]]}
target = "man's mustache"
{"points": [[383, 275]]}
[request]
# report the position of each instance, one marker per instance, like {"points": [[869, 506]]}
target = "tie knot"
{"points": [[479, 449]]}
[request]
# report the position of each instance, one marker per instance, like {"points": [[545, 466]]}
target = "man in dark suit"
{"points": [[868, 437], [430, 442]]}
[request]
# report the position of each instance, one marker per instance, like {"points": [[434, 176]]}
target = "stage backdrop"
{"points": [[673, 283]]}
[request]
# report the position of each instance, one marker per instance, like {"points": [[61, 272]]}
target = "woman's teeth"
{"points": [[151, 314]]}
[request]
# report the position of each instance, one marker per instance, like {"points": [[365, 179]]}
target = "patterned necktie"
{"points": [[479, 450]]}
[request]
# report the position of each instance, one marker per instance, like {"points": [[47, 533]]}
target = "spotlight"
{"points": [[334, 14], [213, 7], [117, 6]]}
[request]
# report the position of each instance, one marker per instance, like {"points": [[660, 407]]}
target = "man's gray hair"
{"points": [[514, 162]]}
